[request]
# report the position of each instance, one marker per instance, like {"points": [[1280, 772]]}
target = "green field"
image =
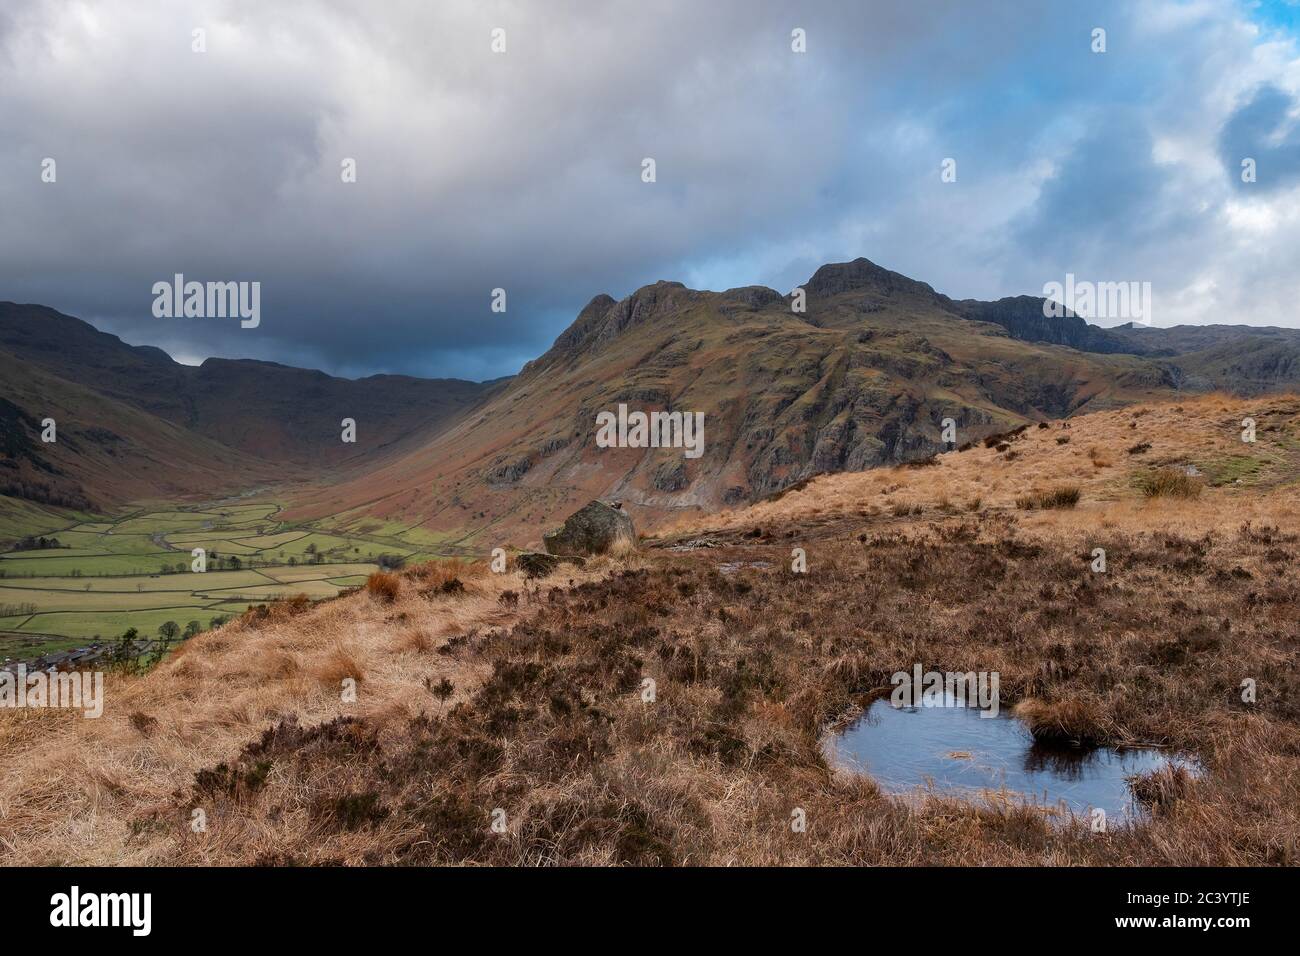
{"points": [[109, 573]]}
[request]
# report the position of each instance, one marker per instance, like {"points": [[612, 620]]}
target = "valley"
{"points": [[151, 454], [103, 575]]}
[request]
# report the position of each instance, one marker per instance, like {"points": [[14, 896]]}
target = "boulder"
{"points": [[596, 528]]}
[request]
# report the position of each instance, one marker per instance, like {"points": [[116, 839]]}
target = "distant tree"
{"points": [[235, 563], [123, 655], [168, 630], [292, 561], [217, 621], [192, 628]]}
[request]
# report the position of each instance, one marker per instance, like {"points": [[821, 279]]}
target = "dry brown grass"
{"points": [[1203, 430], [1170, 483], [416, 639], [341, 663], [384, 585], [546, 718], [76, 790], [1072, 722], [751, 668], [1162, 789], [435, 575]]}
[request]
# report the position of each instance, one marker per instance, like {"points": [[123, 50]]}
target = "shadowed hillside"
{"points": [[136, 424]]}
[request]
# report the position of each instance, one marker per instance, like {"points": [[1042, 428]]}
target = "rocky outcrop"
{"points": [[863, 275], [509, 472], [670, 476], [596, 528], [1022, 316]]}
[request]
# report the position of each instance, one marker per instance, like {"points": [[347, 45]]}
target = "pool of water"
{"points": [[954, 751]]}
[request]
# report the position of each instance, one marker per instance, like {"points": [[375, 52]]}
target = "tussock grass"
{"points": [[341, 663], [1072, 722], [440, 574], [1162, 788], [384, 585], [1064, 496], [1170, 483], [1100, 457], [417, 639]]}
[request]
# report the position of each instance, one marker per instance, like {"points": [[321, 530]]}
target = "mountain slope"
{"points": [[1245, 360], [266, 409], [754, 666], [106, 451], [134, 423], [864, 377]]}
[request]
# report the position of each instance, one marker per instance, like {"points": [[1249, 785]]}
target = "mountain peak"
{"points": [[862, 275], [602, 319]]}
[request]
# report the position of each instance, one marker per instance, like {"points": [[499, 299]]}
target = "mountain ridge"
{"points": [[864, 376]]}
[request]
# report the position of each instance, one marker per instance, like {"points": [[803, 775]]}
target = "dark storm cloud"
{"points": [[522, 170], [1265, 130]]}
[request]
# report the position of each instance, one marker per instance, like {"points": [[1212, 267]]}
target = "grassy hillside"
{"points": [[865, 377], [975, 561]]}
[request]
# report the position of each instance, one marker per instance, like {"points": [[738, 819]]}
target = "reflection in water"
{"points": [[953, 750]]}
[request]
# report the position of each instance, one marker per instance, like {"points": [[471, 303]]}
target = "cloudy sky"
{"points": [[523, 170]]}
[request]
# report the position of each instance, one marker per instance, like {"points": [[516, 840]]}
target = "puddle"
{"points": [[954, 751]]}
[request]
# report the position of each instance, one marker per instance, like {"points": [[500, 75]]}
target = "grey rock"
{"points": [[596, 528]]}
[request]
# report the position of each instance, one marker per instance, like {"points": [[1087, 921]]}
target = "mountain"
{"points": [[1022, 316], [864, 377], [1242, 359], [106, 451], [134, 423]]}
